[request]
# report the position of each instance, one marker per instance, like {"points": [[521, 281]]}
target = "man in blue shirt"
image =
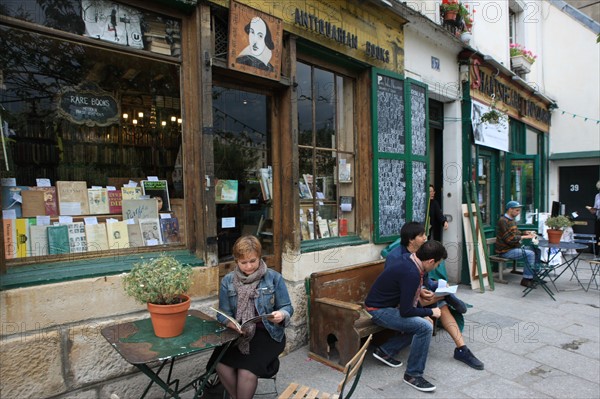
{"points": [[393, 303], [412, 237]]}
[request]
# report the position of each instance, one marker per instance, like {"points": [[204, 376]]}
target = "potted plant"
{"points": [[449, 9], [161, 283], [556, 224], [493, 116], [521, 59]]}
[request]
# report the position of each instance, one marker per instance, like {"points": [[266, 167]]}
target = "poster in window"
{"points": [[254, 42], [112, 22]]}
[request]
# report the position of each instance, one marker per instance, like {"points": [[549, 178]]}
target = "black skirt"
{"points": [[263, 359]]}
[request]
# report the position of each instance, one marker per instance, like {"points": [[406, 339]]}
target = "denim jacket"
{"points": [[273, 295]]}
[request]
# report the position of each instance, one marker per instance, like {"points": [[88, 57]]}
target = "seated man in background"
{"points": [[508, 242], [412, 237], [393, 303]]}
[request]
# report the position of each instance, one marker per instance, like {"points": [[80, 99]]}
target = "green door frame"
{"points": [[494, 206]]}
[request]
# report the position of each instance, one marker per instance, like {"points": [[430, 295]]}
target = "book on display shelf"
{"points": [[58, 239], [72, 198]]}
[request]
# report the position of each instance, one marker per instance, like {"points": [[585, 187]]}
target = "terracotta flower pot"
{"points": [[554, 236], [169, 320]]}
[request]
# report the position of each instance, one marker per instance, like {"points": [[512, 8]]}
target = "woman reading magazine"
{"points": [[252, 289]]}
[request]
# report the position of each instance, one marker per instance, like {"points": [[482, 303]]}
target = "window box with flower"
{"points": [[449, 9], [521, 59]]}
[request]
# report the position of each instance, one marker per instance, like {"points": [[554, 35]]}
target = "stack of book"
{"points": [[156, 37]]}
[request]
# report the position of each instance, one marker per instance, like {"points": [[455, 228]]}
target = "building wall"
{"points": [[51, 338], [571, 63]]}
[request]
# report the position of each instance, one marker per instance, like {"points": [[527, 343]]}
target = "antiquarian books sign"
{"points": [[88, 105], [254, 42]]}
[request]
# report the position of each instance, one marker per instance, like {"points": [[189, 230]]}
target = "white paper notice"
{"points": [[42, 220], [70, 208], [227, 223], [42, 182], [346, 207], [9, 181], [65, 219], [9, 214], [91, 220], [152, 242]]}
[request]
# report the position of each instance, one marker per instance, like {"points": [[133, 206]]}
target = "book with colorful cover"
{"points": [[98, 201], [226, 191], [58, 239], [22, 236], [140, 209], [115, 202], [96, 237], [118, 235], [50, 200], [157, 188], [169, 229], [72, 198], [38, 235], [77, 238], [131, 192], [10, 238]]}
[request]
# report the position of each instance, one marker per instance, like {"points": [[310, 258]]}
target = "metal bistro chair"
{"points": [[541, 272], [588, 239], [352, 370]]}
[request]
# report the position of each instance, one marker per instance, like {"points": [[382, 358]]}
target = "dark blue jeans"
{"points": [[413, 331], [531, 256]]}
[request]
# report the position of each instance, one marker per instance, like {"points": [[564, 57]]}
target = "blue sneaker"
{"points": [[456, 303], [465, 355]]}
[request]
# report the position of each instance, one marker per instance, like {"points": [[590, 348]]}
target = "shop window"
{"points": [[484, 188], [531, 142], [89, 122], [103, 20], [326, 153], [243, 172], [522, 180]]}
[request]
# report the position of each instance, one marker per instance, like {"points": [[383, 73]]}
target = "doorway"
{"points": [[577, 188], [243, 168]]}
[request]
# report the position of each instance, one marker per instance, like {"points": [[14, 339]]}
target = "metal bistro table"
{"points": [[543, 273], [136, 342]]}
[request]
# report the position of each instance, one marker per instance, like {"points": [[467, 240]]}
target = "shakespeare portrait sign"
{"points": [[254, 41]]}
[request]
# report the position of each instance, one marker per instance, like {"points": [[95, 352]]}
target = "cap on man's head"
{"points": [[513, 204]]}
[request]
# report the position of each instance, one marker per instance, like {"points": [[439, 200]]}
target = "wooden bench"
{"points": [[337, 318], [500, 261]]}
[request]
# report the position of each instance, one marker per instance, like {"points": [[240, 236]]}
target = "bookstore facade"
{"points": [[179, 125], [507, 157]]}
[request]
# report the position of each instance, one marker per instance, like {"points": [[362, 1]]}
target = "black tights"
{"points": [[239, 383]]}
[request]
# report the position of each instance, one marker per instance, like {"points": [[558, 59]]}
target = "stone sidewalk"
{"points": [[532, 347]]}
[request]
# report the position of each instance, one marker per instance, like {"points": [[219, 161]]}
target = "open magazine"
{"points": [[239, 326], [444, 289]]}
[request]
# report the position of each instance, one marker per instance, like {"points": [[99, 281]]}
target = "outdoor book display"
{"points": [[71, 217]]}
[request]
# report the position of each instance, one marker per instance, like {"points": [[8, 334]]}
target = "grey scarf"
{"points": [[247, 293]]}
